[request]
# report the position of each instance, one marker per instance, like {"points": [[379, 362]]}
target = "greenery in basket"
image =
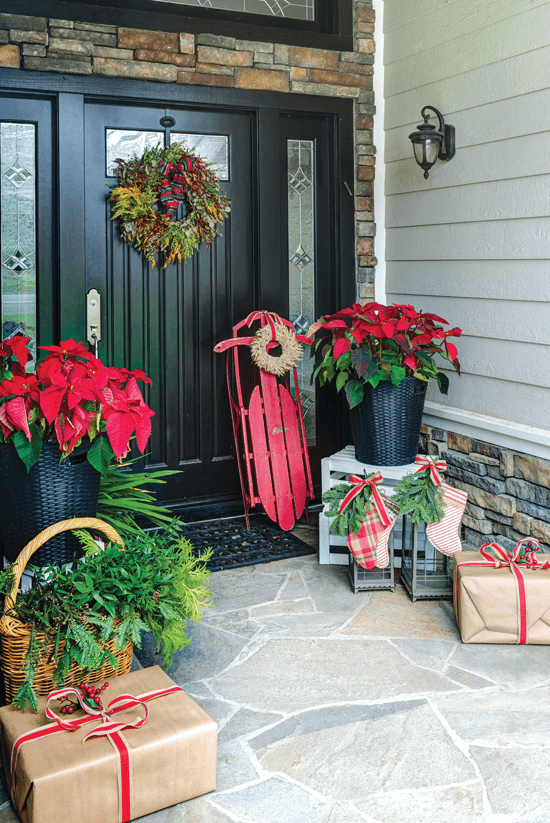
{"points": [[374, 343], [72, 397], [157, 584], [352, 518]]}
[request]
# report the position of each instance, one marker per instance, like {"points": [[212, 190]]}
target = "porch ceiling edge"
{"points": [[517, 436]]}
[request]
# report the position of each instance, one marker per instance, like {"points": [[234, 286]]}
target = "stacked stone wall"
{"points": [[508, 492], [69, 47]]}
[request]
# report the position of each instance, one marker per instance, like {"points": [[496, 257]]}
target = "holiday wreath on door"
{"points": [[146, 196]]}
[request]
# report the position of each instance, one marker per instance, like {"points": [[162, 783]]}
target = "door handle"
{"points": [[93, 319]]}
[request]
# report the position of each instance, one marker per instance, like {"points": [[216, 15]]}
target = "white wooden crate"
{"points": [[337, 469]]}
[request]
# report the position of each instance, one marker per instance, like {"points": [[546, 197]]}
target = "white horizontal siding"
{"points": [[490, 240], [478, 202], [519, 34], [472, 243], [523, 74], [496, 398], [483, 279], [493, 319], [417, 26]]}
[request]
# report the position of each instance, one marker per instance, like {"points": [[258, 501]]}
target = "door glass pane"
{"points": [[295, 9], [128, 143], [301, 261], [212, 148], [18, 230]]}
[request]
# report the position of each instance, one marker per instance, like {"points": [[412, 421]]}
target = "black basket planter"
{"points": [[386, 424], [51, 491]]}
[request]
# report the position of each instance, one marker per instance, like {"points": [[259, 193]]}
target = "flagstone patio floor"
{"points": [[336, 707]]}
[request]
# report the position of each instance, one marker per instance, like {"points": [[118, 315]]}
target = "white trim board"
{"points": [[517, 436], [378, 139]]}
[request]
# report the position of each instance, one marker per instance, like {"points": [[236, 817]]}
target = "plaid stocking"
{"points": [[444, 535], [370, 545]]}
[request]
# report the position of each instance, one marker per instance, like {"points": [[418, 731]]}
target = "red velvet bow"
{"points": [[359, 484]]}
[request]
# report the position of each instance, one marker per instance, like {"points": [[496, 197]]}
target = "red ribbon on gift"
{"points": [[434, 467], [109, 728], [514, 560], [359, 484]]}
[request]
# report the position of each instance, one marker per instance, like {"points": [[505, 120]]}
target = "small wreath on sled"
{"points": [[291, 350], [146, 197]]}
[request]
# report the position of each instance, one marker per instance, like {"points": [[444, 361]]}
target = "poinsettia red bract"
{"points": [[71, 396], [376, 343]]}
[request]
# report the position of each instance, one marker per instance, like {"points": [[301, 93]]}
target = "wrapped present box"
{"points": [[58, 775], [502, 597]]}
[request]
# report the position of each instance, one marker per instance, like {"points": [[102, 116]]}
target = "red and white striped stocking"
{"points": [[444, 535]]}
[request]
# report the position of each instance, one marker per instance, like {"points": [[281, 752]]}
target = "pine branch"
{"points": [[419, 498]]}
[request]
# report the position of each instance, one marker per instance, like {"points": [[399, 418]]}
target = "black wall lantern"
{"points": [[429, 144]]}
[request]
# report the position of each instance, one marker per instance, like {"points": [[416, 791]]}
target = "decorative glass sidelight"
{"points": [[212, 148], [301, 261], [128, 143], [18, 230]]}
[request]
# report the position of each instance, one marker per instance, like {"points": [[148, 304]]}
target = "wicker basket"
{"points": [[14, 635], [386, 424]]}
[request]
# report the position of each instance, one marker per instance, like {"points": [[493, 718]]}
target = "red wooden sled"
{"points": [[269, 432]]}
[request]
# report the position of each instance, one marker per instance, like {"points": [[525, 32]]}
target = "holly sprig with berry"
{"points": [[91, 696], [157, 585]]}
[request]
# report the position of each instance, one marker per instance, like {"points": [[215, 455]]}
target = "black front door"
{"points": [[167, 321]]}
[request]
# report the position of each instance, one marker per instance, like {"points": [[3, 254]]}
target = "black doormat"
{"points": [[234, 546]]}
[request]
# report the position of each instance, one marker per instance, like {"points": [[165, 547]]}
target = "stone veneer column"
{"points": [[41, 44]]}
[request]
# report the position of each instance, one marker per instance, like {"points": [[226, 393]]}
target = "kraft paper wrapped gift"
{"points": [[502, 597], [172, 757]]}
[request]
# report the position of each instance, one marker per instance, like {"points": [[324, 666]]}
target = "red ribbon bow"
{"points": [[514, 560], [111, 729], [359, 484], [434, 467]]}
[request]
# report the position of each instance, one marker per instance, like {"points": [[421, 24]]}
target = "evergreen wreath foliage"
{"points": [[352, 518], [157, 585], [136, 201], [419, 498]]}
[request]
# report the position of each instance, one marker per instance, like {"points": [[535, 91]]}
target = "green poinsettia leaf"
{"points": [[354, 393], [443, 382], [28, 450], [101, 454], [397, 375]]}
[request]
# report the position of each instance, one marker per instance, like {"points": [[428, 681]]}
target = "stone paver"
{"points": [[517, 781], [244, 722], [459, 804], [389, 615], [522, 720], [430, 654], [303, 625], [403, 748], [236, 622], [243, 587], [310, 672], [234, 767], [514, 667], [275, 801]]}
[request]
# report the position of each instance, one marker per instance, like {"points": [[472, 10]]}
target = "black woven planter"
{"points": [[386, 424], [49, 492]]}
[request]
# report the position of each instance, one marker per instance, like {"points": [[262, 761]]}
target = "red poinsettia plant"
{"points": [[70, 397], [373, 343]]}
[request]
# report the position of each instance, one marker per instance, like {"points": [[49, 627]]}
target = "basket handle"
{"points": [[38, 541]]}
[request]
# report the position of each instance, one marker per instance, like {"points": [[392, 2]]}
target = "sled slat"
{"points": [[262, 466], [293, 450], [277, 448]]}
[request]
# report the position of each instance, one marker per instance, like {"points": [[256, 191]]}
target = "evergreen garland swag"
{"points": [[352, 517], [159, 179], [419, 498]]}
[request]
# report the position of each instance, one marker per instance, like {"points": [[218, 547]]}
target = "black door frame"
{"points": [[69, 95]]}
